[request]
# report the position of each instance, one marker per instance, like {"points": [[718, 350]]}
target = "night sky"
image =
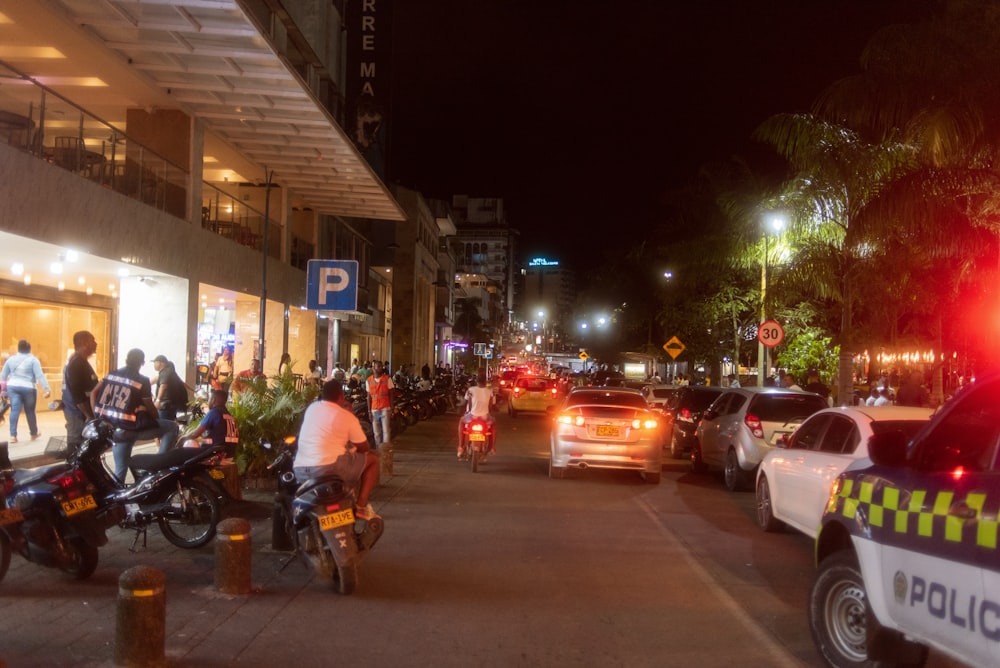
{"points": [[581, 113]]}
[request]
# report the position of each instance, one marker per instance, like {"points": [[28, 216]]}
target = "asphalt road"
{"points": [[503, 567]]}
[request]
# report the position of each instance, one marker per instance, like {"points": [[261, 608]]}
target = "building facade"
{"points": [[169, 198]]}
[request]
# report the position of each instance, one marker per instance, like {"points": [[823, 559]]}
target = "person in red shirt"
{"points": [[379, 386]]}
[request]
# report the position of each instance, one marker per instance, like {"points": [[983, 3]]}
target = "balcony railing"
{"points": [[39, 121]]}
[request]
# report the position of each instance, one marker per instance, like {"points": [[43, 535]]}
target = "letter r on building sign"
{"points": [[332, 285]]}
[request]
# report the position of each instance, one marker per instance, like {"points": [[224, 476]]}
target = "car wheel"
{"points": [[652, 478], [697, 463], [839, 615], [765, 514], [734, 475], [676, 451], [556, 471]]}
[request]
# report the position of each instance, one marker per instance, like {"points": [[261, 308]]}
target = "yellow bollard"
{"points": [[141, 617], [232, 556]]}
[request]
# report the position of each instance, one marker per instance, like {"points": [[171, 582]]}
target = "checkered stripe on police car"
{"points": [[885, 509]]}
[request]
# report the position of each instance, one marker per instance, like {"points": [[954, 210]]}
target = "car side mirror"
{"points": [[888, 449]]}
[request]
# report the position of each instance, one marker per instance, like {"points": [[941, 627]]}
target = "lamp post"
{"points": [[541, 315], [776, 223]]}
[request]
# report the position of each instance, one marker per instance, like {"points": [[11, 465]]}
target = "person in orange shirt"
{"points": [[379, 386]]}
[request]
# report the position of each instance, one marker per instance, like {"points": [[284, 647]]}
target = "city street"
{"points": [[498, 568]]}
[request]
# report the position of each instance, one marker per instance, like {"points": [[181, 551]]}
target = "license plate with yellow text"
{"points": [[338, 519], [477, 437], [608, 430], [74, 506]]}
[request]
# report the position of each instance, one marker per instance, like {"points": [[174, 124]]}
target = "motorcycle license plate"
{"points": [[477, 437], [338, 519], [607, 430], [74, 506], [10, 516]]}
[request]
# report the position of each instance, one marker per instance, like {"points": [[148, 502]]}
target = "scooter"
{"points": [[177, 490], [48, 515], [316, 518], [477, 440]]}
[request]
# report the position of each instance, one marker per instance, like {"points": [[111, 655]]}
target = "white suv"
{"points": [[742, 426]]}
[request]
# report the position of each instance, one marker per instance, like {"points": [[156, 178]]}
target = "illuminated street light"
{"points": [[776, 224]]}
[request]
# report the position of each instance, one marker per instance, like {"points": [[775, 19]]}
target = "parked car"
{"points": [[683, 414], [611, 428], [503, 382], [533, 393], [794, 479], [657, 395], [907, 547], [743, 424]]}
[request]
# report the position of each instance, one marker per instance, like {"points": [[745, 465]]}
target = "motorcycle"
{"points": [[318, 518], [178, 490], [48, 515], [477, 440]]}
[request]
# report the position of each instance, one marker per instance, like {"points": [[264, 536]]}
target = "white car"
{"points": [[794, 479]]}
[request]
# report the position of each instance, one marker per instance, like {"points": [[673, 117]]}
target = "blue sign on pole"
{"points": [[332, 285]]}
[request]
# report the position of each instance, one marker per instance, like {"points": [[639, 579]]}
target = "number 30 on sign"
{"points": [[770, 333]]}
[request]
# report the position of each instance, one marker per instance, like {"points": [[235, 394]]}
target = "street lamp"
{"points": [[541, 315], [774, 223]]}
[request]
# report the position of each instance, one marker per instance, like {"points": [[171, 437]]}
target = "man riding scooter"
{"points": [[479, 401]]}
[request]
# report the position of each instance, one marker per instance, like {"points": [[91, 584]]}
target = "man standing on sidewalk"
{"points": [[79, 379], [379, 402]]}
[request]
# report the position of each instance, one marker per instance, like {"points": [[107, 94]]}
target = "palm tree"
{"points": [[836, 174]]}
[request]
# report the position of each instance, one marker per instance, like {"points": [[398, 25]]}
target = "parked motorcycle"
{"points": [[478, 439], [178, 490], [318, 516], [48, 515]]}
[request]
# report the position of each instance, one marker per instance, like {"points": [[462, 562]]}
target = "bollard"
{"points": [[385, 460], [232, 556], [141, 617]]}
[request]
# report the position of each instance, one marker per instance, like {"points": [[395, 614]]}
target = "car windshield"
{"points": [[663, 394], [607, 399], [786, 407], [535, 384], [699, 401]]}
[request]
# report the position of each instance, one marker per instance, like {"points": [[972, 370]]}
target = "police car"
{"points": [[908, 547]]}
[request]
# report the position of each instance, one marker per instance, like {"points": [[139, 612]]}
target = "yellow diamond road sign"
{"points": [[583, 355], [674, 347]]}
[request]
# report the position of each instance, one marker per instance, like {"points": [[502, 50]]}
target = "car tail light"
{"points": [[555, 391], [575, 420], [647, 423], [756, 428], [517, 390], [332, 507]]}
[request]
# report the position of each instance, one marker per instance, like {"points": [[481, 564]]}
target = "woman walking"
{"points": [[22, 372]]}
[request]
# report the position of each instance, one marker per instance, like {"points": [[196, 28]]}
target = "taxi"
{"points": [[536, 394], [908, 549]]}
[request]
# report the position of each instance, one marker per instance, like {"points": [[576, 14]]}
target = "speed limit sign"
{"points": [[770, 333]]}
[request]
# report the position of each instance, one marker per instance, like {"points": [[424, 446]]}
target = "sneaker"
{"points": [[365, 512], [35, 436]]}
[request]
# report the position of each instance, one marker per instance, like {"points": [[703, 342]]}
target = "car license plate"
{"points": [[74, 506], [334, 520], [477, 437], [10, 516], [607, 430]]}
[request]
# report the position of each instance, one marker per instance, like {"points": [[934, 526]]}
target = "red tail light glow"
{"points": [[958, 473], [332, 507], [756, 428], [647, 423], [69, 479], [574, 420], [685, 414], [477, 427]]}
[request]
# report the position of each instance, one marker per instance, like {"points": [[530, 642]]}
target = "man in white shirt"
{"points": [[479, 400], [331, 442]]}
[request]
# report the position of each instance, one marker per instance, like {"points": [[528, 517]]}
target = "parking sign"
{"points": [[332, 285]]}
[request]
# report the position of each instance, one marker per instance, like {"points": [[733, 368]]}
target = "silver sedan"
{"points": [[609, 428]]}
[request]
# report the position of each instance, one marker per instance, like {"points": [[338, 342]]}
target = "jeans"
{"points": [[22, 398], [75, 422], [380, 424], [165, 430]]}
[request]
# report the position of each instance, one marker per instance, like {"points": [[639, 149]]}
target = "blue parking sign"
{"points": [[332, 285]]}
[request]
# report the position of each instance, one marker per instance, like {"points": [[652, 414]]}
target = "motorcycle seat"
{"points": [[23, 477], [175, 457]]}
